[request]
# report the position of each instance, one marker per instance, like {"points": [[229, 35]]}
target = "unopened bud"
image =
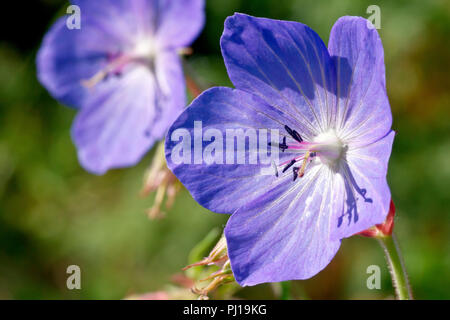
{"points": [[383, 229], [160, 179], [217, 257]]}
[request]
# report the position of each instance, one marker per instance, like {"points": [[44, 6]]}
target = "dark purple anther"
{"points": [[290, 164], [294, 134], [295, 171], [284, 145]]}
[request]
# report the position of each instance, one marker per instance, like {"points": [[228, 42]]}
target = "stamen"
{"points": [[92, 82], [274, 166], [294, 134], [311, 149], [295, 171], [185, 51], [114, 67], [290, 164], [301, 172], [283, 146]]}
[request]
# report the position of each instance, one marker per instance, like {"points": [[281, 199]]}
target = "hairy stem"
{"points": [[286, 290], [396, 267]]}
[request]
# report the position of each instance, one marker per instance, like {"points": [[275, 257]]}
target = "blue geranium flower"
{"points": [[122, 71], [332, 113]]}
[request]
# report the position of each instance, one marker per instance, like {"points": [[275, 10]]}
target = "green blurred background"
{"points": [[54, 214]]}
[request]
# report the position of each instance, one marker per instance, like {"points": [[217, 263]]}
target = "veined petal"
{"points": [[179, 22], [367, 194], [285, 233], [223, 187], [111, 131], [286, 64], [69, 56], [124, 17], [171, 92], [364, 114]]}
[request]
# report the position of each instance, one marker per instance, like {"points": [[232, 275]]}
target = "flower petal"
{"points": [[367, 194], [171, 93], [180, 21], [286, 64], [364, 114], [112, 130], [224, 187], [124, 17], [285, 233], [69, 56]]}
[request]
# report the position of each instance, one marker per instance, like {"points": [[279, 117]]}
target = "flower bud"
{"points": [[383, 229], [160, 179], [217, 257]]}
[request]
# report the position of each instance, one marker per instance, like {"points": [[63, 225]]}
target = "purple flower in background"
{"points": [[122, 71], [332, 113]]}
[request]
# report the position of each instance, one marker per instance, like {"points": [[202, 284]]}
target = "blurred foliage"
{"points": [[53, 214]]}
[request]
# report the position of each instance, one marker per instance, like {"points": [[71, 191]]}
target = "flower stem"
{"points": [[193, 87], [396, 267], [285, 290]]}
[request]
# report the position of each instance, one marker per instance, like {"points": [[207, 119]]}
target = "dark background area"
{"points": [[54, 214]]}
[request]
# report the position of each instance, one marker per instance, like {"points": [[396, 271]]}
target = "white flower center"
{"points": [[329, 148], [145, 47]]}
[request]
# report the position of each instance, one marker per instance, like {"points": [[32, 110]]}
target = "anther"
{"points": [[294, 134], [290, 164], [275, 168], [283, 146], [295, 171]]}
